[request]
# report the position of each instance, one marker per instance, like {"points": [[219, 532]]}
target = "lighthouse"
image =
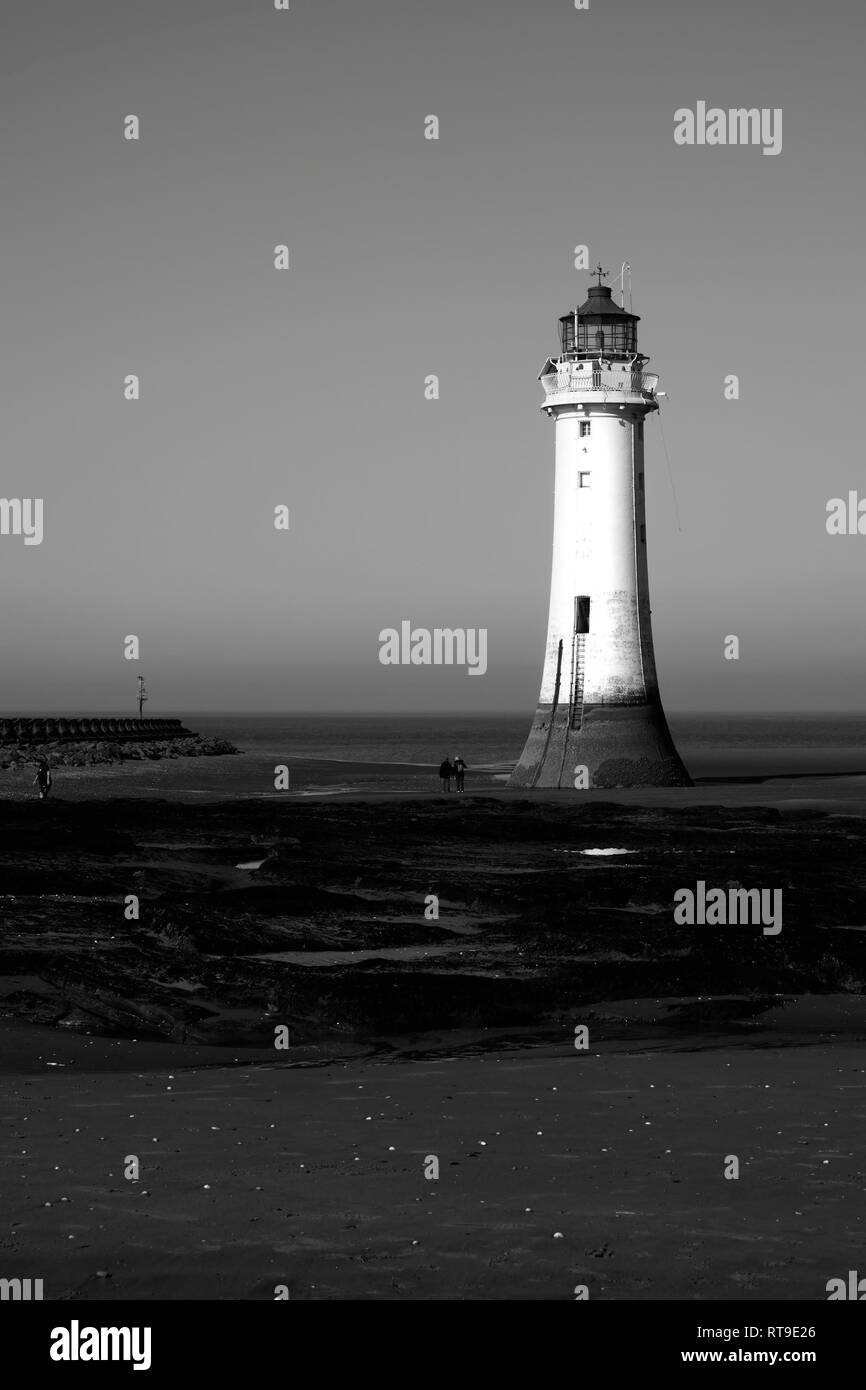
{"points": [[599, 721]]}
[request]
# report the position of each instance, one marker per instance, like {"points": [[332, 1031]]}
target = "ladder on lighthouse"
{"points": [[579, 668]]}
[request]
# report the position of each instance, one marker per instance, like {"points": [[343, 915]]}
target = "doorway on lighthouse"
{"points": [[581, 613]]}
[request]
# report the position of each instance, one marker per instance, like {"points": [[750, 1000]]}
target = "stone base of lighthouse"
{"points": [[619, 745]]}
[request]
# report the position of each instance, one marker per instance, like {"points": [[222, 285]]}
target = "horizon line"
{"points": [[522, 713]]}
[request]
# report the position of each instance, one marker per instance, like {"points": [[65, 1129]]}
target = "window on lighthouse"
{"points": [[584, 428]]}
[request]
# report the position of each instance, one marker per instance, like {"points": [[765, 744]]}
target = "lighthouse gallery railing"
{"points": [[569, 379]]}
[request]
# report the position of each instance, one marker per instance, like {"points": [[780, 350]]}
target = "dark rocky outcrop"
{"points": [[528, 932], [91, 752]]}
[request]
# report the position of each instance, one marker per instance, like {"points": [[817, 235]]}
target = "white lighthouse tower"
{"points": [[599, 721]]}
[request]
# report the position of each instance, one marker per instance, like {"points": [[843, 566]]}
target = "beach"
{"points": [[555, 1170], [453, 1030]]}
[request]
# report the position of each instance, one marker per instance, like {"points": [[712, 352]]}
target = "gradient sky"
{"points": [[411, 257]]}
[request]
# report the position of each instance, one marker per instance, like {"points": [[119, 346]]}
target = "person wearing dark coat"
{"points": [[43, 779], [459, 771], [446, 772]]}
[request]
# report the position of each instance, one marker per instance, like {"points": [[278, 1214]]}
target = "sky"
{"points": [[410, 257]]}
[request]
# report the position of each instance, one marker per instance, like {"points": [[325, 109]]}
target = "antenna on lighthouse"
{"points": [[625, 267]]}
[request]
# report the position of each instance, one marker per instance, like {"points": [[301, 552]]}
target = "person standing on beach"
{"points": [[43, 779], [446, 772], [459, 771]]}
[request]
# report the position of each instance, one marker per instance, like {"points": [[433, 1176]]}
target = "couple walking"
{"points": [[447, 770]]}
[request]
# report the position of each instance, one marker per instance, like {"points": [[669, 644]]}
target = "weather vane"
{"points": [[599, 272]]}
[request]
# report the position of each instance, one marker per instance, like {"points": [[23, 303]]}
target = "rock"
{"points": [[283, 848]]}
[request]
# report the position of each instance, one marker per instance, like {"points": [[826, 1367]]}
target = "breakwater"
{"points": [[60, 730]]}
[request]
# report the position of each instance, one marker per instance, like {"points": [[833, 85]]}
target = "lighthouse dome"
{"points": [[599, 328]]}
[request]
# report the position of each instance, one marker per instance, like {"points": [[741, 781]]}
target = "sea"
{"points": [[712, 745], [357, 752]]}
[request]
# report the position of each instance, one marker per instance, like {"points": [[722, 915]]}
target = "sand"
{"points": [[556, 1168]]}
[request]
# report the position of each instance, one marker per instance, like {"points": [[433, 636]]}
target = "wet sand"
{"points": [[249, 776], [313, 1176]]}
